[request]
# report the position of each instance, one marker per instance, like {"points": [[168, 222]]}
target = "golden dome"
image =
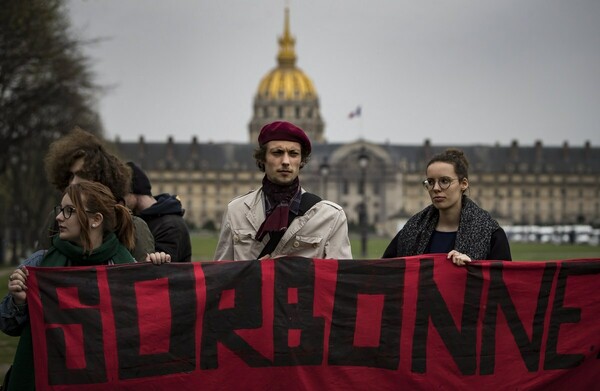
{"points": [[286, 81]]}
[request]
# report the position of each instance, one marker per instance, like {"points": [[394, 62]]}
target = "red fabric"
{"points": [[74, 353], [227, 299], [153, 307], [285, 131], [275, 222], [368, 320], [298, 324]]}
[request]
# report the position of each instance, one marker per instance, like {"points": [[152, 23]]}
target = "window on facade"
{"points": [[280, 111], [376, 188], [345, 186], [297, 112]]}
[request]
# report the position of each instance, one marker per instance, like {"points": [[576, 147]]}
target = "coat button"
{"points": [[315, 245], [296, 244], [236, 239]]}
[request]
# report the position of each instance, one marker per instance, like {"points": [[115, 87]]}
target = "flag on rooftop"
{"points": [[354, 113]]}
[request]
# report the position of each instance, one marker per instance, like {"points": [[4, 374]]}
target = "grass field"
{"points": [[203, 248]]}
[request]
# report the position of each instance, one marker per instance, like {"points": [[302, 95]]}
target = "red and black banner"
{"points": [[310, 324]]}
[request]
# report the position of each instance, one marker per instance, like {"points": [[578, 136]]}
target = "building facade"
{"points": [[518, 184]]}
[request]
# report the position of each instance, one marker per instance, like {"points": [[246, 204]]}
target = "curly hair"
{"points": [[96, 198], [99, 165], [456, 158], [260, 155]]}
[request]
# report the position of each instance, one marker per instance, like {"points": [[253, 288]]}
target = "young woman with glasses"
{"points": [[93, 230], [80, 155], [452, 224]]}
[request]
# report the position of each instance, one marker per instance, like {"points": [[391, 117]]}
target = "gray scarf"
{"points": [[473, 238]]}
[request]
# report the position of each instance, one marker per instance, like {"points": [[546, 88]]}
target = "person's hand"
{"points": [[158, 258], [458, 259], [17, 285]]}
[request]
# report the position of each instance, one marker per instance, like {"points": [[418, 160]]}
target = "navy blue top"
{"points": [[499, 247], [441, 242]]}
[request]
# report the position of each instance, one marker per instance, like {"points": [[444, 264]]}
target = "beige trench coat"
{"points": [[322, 232]]}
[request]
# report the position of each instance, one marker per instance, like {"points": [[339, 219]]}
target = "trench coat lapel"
{"points": [[256, 210]]}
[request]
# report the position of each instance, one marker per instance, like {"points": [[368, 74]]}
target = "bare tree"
{"points": [[46, 88]]}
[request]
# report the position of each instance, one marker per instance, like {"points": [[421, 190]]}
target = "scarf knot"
{"points": [[473, 237], [278, 199]]}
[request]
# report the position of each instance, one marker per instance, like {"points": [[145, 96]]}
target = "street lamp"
{"points": [[363, 220], [324, 170]]}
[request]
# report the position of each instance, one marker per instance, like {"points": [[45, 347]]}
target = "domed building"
{"points": [[286, 93], [378, 185]]}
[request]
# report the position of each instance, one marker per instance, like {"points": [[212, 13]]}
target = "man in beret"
{"points": [[280, 218], [163, 214]]}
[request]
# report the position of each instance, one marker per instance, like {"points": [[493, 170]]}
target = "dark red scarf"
{"points": [[278, 199]]}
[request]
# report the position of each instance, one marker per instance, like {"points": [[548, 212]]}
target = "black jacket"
{"points": [[171, 235]]}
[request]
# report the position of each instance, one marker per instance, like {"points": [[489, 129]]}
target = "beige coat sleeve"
{"points": [[338, 245], [224, 251]]}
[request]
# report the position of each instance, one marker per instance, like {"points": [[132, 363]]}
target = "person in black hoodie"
{"points": [[163, 214]]}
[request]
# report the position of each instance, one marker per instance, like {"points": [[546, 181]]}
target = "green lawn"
{"points": [[203, 247]]}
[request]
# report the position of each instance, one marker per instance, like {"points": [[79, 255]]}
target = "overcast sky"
{"points": [[456, 72]]}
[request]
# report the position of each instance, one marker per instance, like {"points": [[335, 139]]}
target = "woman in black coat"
{"points": [[452, 224]]}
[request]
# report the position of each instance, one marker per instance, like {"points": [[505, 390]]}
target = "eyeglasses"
{"points": [[444, 182], [67, 211]]}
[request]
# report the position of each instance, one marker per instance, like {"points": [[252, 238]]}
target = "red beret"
{"points": [[286, 131]]}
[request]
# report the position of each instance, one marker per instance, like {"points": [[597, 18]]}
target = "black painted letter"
{"points": [[431, 305], [384, 277]]}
